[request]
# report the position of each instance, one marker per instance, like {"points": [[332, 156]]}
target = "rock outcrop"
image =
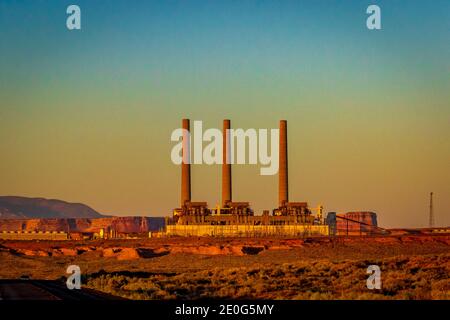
{"points": [[119, 224]]}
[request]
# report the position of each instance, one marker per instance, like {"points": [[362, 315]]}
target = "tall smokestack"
{"points": [[226, 165], [185, 165], [283, 195]]}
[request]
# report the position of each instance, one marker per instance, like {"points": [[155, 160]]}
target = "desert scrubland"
{"points": [[412, 267]]}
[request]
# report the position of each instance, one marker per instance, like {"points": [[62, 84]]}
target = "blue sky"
{"points": [[90, 112]]}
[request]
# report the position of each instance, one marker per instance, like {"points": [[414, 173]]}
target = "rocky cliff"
{"points": [[119, 224]]}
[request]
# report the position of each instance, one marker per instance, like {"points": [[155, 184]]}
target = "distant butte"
{"points": [[13, 207]]}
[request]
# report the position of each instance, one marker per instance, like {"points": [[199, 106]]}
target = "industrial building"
{"points": [[237, 218], [354, 223]]}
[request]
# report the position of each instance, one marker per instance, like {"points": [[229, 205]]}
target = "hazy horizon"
{"points": [[86, 115]]}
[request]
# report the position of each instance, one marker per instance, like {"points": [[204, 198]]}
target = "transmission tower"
{"points": [[431, 221]]}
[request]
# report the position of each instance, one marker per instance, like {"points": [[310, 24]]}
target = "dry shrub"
{"points": [[414, 277]]}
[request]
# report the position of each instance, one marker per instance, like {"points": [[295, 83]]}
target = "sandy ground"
{"points": [[49, 260], [169, 257]]}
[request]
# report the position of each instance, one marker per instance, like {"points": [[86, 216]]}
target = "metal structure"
{"points": [[431, 217]]}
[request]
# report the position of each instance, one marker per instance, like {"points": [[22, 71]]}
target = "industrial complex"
{"points": [[238, 219], [196, 218]]}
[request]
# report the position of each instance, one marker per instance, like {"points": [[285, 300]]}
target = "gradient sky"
{"points": [[86, 116]]}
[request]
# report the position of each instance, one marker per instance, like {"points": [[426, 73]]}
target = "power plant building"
{"points": [[238, 218]]}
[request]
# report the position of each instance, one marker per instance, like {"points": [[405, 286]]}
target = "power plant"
{"points": [[196, 218], [237, 218]]}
